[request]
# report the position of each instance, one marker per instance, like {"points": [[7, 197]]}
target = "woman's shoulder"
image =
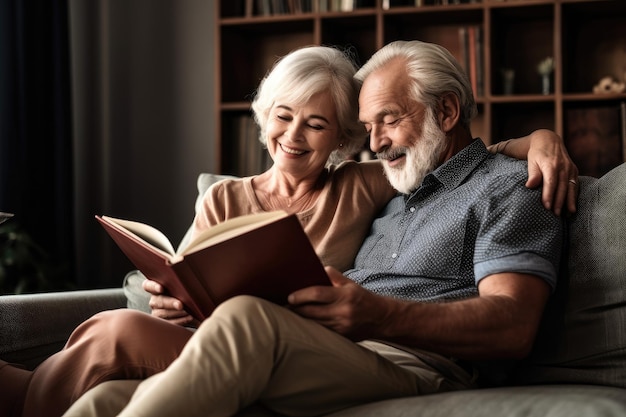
{"points": [[231, 183], [366, 169], [367, 175], [228, 187], [231, 197]]}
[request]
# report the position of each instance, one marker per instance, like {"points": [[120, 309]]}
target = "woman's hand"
{"points": [[167, 307], [548, 164]]}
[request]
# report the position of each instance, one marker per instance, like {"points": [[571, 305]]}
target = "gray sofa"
{"points": [[577, 368]]}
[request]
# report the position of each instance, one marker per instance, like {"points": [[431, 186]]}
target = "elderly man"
{"points": [[453, 277]]}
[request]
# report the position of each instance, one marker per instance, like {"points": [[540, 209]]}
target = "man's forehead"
{"points": [[383, 97], [373, 112]]}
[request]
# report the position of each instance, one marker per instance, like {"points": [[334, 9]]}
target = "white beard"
{"points": [[421, 158]]}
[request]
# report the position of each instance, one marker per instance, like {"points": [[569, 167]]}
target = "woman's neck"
{"points": [[278, 191]]}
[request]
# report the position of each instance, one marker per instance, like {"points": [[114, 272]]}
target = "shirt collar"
{"points": [[456, 169]]}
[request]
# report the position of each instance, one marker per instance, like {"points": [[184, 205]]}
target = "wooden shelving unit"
{"points": [[585, 38]]}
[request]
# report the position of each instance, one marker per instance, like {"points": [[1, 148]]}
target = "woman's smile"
{"points": [[291, 151]]}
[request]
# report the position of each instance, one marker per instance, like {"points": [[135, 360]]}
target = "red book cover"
{"points": [[269, 259]]}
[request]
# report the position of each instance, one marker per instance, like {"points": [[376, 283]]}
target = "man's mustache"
{"points": [[392, 153]]}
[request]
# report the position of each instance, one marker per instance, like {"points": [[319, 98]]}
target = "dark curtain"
{"points": [[36, 139]]}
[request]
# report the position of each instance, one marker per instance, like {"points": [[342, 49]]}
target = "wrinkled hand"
{"points": [[549, 164], [345, 307], [167, 307]]}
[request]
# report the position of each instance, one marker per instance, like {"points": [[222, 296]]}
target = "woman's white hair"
{"points": [[434, 72], [301, 74]]}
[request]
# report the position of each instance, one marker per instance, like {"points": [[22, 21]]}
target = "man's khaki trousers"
{"points": [[252, 351]]}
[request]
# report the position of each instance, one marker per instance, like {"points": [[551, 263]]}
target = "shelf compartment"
{"points": [[353, 33], [595, 135], [521, 37], [594, 44], [242, 153], [515, 119], [262, 44], [450, 29]]}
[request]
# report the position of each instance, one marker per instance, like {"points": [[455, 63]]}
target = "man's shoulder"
{"points": [[501, 164], [501, 178], [500, 167]]}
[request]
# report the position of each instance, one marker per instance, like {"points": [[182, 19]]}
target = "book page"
{"points": [[145, 232], [229, 228]]}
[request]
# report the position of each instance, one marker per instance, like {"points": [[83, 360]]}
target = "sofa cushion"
{"points": [[34, 326], [583, 334], [536, 401]]}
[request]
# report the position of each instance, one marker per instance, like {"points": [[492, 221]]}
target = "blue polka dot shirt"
{"points": [[470, 218]]}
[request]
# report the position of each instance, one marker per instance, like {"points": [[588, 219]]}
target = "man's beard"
{"points": [[421, 158]]}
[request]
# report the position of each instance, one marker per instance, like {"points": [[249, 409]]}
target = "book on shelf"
{"points": [[342, 5], [387, 4], [251, 156], [471, 56], [267, 255], [276, 7]]}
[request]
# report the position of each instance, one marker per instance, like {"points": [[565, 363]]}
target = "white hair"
{"points": [[301, 74], [433, 70]]}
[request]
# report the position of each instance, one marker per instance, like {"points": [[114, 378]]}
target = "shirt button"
{"points": [[412, 209], [394, 256]]}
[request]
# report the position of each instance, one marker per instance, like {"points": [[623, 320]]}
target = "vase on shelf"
{"points": [[546, 84], [545, 69]]}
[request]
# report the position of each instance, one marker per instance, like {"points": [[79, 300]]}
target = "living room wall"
{"points": [[142, 85]]}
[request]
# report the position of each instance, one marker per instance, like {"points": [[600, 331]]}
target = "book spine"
{"points": [[464, 58], [480, 81], [199, 300], [249, 8], [471, 41]]}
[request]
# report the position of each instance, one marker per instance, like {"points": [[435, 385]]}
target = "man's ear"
{"points": [[449, 111]]}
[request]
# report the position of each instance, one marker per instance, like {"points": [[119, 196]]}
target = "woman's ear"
{"points": [[449, 112]]}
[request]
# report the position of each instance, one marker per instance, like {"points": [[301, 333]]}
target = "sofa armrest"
{"points": [[34, 326]]}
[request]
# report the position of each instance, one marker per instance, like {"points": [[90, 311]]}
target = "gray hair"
{"points": [[434, 71], [305, 72]]}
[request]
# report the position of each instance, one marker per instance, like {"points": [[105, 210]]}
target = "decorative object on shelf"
{"points": [[545, 68], [508, 80], [608, 85]]}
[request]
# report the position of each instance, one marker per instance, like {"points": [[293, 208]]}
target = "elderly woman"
{"points": [[306, 108]]}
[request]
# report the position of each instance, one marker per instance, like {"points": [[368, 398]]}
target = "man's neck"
{"points": [[458, 138]]}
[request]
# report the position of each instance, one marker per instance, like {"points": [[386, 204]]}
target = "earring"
{"points": [[341, 145]]}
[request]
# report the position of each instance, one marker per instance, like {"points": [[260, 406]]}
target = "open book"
{"points": [[267, 255]]}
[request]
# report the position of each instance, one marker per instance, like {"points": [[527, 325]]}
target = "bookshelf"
{"points": [[586, 40]]}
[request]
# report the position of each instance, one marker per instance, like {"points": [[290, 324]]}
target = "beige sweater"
{"points": [[352, 196]]}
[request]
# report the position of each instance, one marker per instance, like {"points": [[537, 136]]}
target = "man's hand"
{"points": [[166, 307], [500, 323], [344, 307]]}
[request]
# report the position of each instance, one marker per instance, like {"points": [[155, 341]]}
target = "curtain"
{"points": [[106, 107], [36, 134]]}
